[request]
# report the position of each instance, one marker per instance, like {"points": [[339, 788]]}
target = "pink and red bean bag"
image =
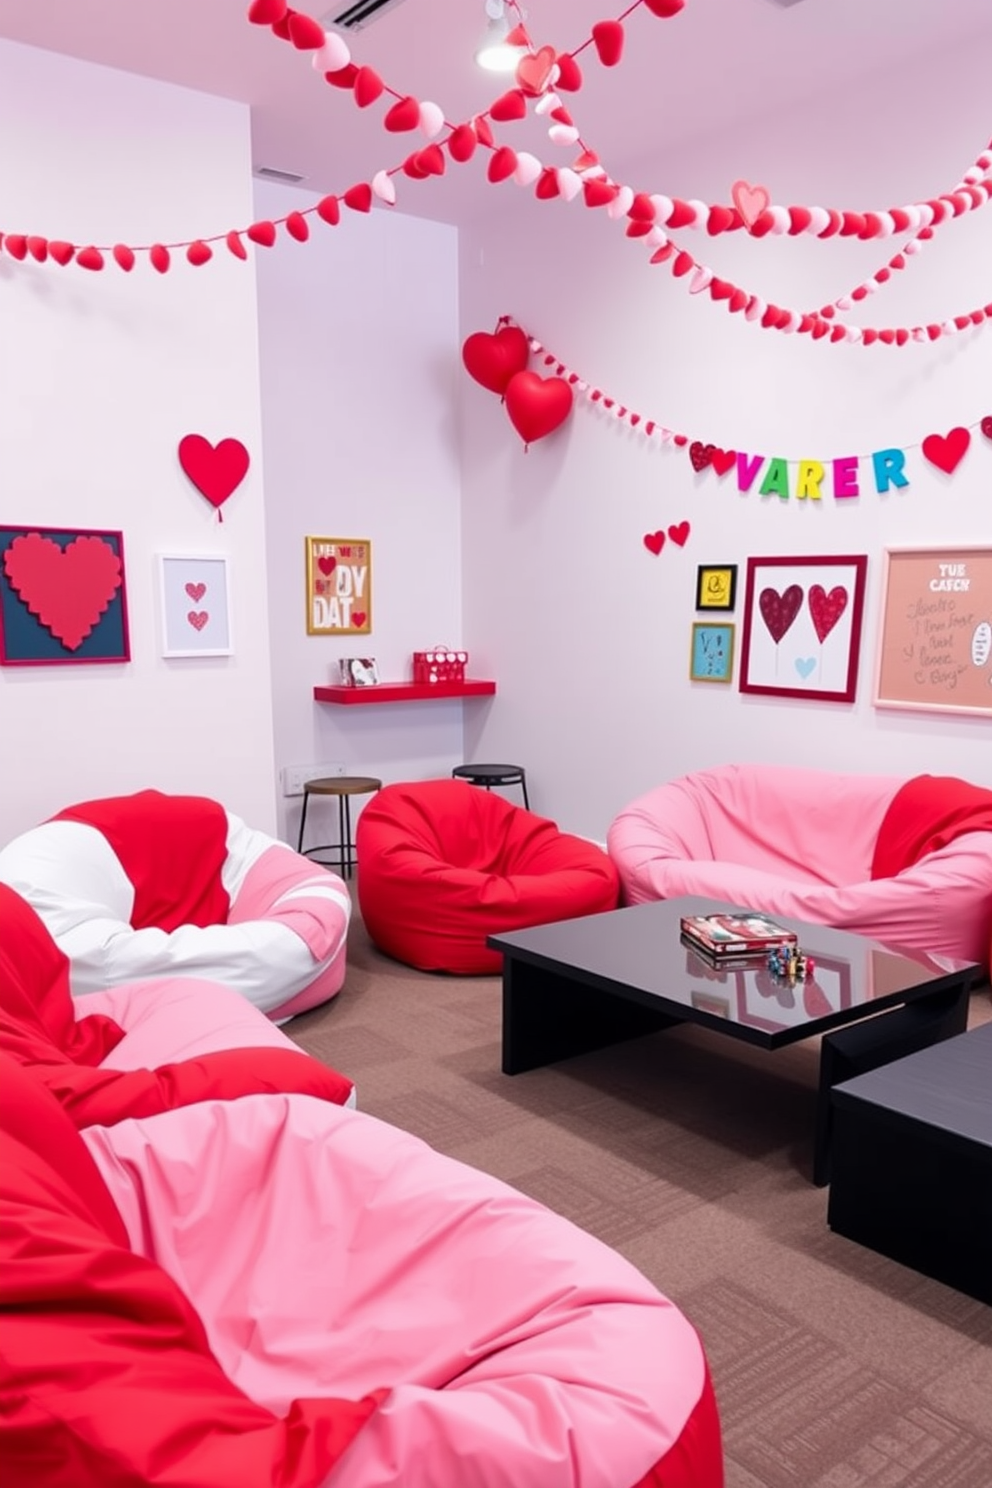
{"points": [[152, 885], [443, 864]]}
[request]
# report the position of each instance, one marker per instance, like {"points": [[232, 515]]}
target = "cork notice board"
{"points": [[935, 632]]}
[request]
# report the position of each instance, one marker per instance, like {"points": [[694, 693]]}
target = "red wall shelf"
{"points": [[403, 692]]}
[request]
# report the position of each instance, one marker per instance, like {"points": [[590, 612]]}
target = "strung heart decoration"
{"points": [[608, 39], [216, 471], [512, 105], [679, 533], [700, 454], [779, 610], [196, 592], [462, 142], [267, 12], [67, 589], [654, 542], [723, 460], [537, 405], [750, 201], [947, 451], [987, 427], [368, 86], [403, 115], [664, 8], [534, 70], [359, 197], [198, 618], [493, 359], [306, 34], [826, 609], [569, 73]]}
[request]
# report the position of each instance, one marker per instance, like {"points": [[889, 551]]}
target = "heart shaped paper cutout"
{"points": [[750, 201], [216, 471], [359, 617], [723, 460], [493, 359], [826, 609], [700, 454], [534, 70], [679, 533], [198, 619], [196, 592], [69, 588], [654, 542], [946, 451], [805, 665], [987, 427], [537, 405], [327, 565], [779, 610]]}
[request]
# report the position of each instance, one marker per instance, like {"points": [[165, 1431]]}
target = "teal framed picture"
{"points": [[711, 654]]}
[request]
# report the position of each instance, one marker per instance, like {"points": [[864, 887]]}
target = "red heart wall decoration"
{"points": [[67, 588], [493, 360], [779, 610], [723, 460], [216, 471], [654, 542], [826, 609], [987, 427], [679, 533], [701, 454], [537, 405], [947, 451]]}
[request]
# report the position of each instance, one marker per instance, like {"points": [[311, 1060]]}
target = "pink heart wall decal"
{"points": [[826, 609], [779, 610]]}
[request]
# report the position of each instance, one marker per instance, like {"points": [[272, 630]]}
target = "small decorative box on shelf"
{"points": [[404, 692]]}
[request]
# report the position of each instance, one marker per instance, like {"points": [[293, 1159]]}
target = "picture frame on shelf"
{"points": [[359, 671], [802, 626], [339, 586], [63, 596], [716, 586], [195, 605], [711, 652]]}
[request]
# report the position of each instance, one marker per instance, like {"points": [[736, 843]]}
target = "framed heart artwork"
{"points": [[195, 605], [802, 627], [339, 586], [62, 596]]}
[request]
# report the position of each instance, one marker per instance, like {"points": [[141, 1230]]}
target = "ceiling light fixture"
{"points": [[494, 54]]}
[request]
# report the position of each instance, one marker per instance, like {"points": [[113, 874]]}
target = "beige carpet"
{"points": [[834, 1368]]}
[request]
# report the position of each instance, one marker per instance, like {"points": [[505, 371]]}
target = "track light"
{"points": [[493, 53]]}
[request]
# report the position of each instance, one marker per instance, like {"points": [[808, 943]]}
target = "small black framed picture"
{"points": [[716, 586]]}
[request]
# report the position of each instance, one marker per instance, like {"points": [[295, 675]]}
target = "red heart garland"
{"points": [[403, 116], [700, 454], [502, 164], [987, 427], [509, 106], [654, 542], [664, 8], [534, 70], [216, 472], [160, 257], [344, 77], [90, 258], [462, 143], [493, 360], [62, 252], [723, 460], [368, 86], [537, 405], [329, 210], [262, 233], [267, 12], [599, 193], [608, 38], [68, 588], [199, 253], [306, 34], [569, 74], [679, 533], [947, 451], [431, 160], [359, 198]]}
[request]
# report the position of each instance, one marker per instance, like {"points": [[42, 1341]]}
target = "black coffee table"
{"points": [[582, 984]]}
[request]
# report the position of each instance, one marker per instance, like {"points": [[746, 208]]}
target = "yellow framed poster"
{"points": [[339, 586]]}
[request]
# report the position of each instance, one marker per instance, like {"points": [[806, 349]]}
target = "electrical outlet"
{"points": [[295, 777]]}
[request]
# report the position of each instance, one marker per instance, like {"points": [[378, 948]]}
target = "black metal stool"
{"points": [[490, 775], [344, 787]]}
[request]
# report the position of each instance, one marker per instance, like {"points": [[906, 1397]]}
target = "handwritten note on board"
{"points": [[935, 632]]}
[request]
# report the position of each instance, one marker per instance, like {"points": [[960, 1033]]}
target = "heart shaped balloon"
{"points": [[537, 405], [493, 359]]}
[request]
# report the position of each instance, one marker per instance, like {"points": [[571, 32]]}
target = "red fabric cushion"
{"points": [[106, 1376], [924, 815], [696, 1458], [38, 1029], [172, 848], [443, 864]]}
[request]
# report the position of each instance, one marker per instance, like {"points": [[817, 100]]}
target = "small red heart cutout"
{"points": [[327, 565], [599, 193], [569, 73], [196, 592], [198, 618], [262, 233], [62, 252], [431, 160], [679, 533], [987, 427], [723, 460], [216, 471], [700, 454], [534, 70], [403, 116], [502, 164], [947, 451], [654, 542], [267, 12], [359, 617]]}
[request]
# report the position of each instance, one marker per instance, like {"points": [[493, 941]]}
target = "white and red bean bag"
{"points": [[444, 864], [152, 885], [905, 861], [275, 1291]]}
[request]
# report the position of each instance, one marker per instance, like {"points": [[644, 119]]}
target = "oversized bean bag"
{"points": [[904, 861], [443, 864], [151, 885], [277, 1292]]}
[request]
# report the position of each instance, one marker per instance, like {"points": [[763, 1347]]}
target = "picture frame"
{"points": [[716, 586], [63, 596], [802, 626], [194, 605], [359, 671], [339, 586], [711, 652], [934, 645]]}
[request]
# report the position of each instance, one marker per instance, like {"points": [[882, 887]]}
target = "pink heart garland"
{"points": [[946, 451], [826, 609], [750, 201]]}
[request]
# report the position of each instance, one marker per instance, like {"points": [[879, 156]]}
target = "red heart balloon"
{"points": [[216, 472], [493, 360], [537, 405]]}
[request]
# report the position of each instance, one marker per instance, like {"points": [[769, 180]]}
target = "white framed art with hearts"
{"points": [[802, 626], [195, 605]]}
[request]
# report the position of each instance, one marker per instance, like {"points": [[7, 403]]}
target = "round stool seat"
{"points": [[490, 775], [343, 787]]}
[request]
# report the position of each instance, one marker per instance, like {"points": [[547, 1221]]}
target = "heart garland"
{"points": [[946, 451], [215, 470]]}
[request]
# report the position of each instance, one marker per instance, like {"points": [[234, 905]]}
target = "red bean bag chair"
{"points": [[443, 864]]}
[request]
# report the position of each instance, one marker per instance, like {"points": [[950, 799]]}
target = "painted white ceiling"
{"points": [[714, 63]]}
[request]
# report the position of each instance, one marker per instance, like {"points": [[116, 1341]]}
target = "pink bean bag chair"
{"points": [[443, 864], [150, 885], [906, 862]]}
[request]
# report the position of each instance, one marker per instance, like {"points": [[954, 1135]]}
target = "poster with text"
{"points": [[339, 586]]}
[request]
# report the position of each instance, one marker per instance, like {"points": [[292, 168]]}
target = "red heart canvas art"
{"points": [[61, 596]]}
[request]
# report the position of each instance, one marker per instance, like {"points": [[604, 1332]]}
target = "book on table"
{"points": [[741, 933]]}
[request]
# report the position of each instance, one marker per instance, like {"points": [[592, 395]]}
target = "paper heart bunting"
{"points": [[779, 610], [215, 470], [946, 451], [826, 609], [67, 589], [723, 460], [987, 427], [493, 359], [701, 454]]}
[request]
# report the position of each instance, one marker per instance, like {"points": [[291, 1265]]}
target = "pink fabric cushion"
{"points": [[800, 843]]}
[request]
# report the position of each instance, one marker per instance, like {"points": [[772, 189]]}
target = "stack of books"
{"points": [[735, 939]]}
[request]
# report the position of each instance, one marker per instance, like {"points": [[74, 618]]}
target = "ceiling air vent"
{"points": [[269, 173], [358, 14]]}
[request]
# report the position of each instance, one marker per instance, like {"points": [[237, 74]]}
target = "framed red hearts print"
{"points": [[802, 627], [339, 586], [62, 596], [195, 605]]}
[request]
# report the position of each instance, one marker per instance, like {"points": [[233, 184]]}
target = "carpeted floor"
{"points": [[834, 1368]]}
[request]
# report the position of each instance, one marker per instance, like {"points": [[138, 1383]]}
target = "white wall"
{"points": [[359, 361], [100, 377], [587, 632]]}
